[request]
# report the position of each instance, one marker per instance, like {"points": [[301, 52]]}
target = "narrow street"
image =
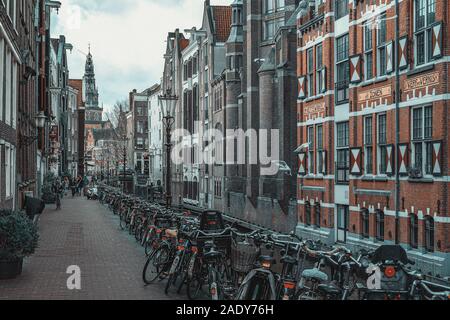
{"points": [[85, 234]]}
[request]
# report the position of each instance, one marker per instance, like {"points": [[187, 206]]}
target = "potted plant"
{"points": [[18, 239]]}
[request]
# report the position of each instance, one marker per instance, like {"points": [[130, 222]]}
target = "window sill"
{"points": [[368, 178], [420, 69], [380, 178], [338, 103], [381, 79], [421, 180], [316, 97]]}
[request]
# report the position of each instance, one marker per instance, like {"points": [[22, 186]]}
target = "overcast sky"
{"points": [[127, 39]]}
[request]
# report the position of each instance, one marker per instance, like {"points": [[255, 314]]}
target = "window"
{"points": [[342, 69], [139, 143], [271, 27], [368, 51], [429, 234], [365, 223], [310, 69], [317, 215], [320, 81], [308, 213], [320, 151], [218, 188], [140, 127], [379, 217], [271, 6], [382, 141], [343, 153], [382, 58], [414, 231], [422, 146], [311, 150], [368, 145], [341, 8], [425, 16], [343, 222], [8, 165]]}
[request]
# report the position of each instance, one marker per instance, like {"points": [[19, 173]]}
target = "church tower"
{"points": [[94, 114]]}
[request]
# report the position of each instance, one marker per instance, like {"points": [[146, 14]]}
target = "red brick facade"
{"points": [[350, 168]]}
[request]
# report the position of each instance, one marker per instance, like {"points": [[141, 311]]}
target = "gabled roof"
{"points": [[222, 22]]}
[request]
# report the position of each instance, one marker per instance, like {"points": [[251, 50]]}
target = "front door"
{"points": [[343, 218]]}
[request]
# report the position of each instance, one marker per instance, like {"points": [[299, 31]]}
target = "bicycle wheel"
{"points": [[196, 280], [173, 273], [123, 220], [156, 265]]}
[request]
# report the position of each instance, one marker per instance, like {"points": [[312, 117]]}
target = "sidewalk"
{"points": [[85, 234]]}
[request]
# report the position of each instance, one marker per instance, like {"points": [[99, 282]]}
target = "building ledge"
{"points": [[422, 180]]}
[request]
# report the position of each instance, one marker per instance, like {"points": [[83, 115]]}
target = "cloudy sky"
{"points": [[127, 39]]}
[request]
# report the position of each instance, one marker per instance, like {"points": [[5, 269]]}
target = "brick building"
{"points": [[260, 80], [77, 84], [10, 57], [372, 128], [172, 80]]}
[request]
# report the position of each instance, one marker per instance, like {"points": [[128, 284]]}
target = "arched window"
{"points": [[414, 231], [429, 234], [365, 223], [307, 213], [317, 215], [380, 225]]}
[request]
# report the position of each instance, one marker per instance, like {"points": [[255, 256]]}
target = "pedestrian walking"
{"points": [[57, 190]]}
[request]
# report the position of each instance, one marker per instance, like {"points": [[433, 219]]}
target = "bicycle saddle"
{"points": [[330, 289], [212, 254], [315, 274]]}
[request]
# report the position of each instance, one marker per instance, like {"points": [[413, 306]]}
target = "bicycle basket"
{"points": [[243, 256]]}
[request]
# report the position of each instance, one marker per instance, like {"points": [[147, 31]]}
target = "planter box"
{"points": [[10, 269]]}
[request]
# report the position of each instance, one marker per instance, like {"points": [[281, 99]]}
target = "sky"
{"points": [[127, 39]]}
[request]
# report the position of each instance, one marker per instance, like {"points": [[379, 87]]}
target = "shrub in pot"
{"points": [[18, 239]]}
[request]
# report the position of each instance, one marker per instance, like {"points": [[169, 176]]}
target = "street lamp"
{"points": [[167, 103], [40, 120]]}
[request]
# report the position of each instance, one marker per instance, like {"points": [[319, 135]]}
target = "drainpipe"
{"points": [[397, 123]]}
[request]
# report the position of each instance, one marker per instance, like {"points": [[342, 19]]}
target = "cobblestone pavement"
{"points": [[85, 234]]}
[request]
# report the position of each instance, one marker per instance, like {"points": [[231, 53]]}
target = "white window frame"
{"points": [[8, 72], [310, 72], [368, 51], [379, 145], [368, 145], [427, 30], [381, 45], [424, 141]]}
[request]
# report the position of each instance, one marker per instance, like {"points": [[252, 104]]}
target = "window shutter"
{"points": [[437, 158], [302, 87], [324, 79], [403, 159], [355, 161], [324, 162], [303, 163], [403, 52], [390, 57], [389, 160], [355, 69], [436, 41]]}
